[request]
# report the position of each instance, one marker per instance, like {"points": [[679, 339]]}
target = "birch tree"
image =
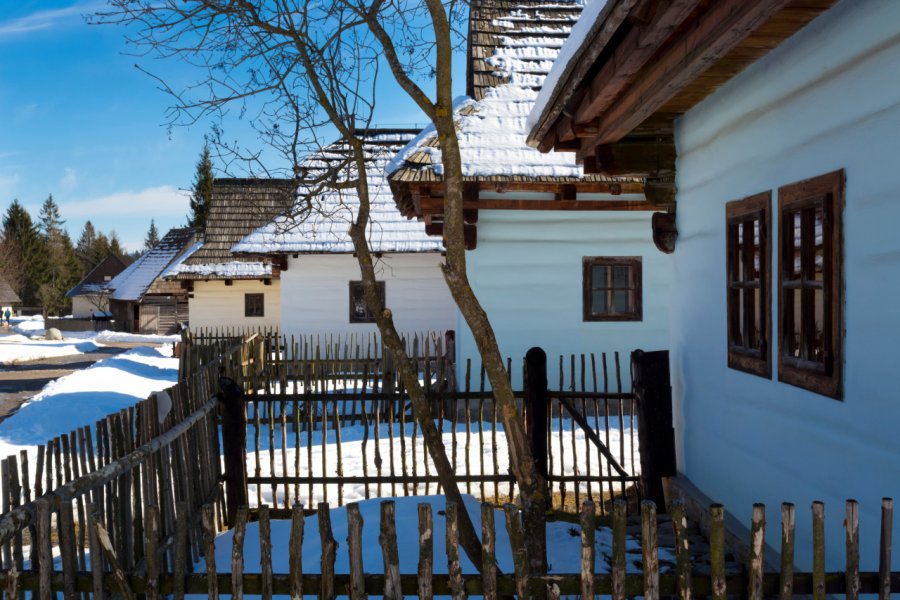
{"points": [[302, 69]]}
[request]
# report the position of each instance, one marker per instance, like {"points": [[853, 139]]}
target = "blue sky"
{"points": [[78, 120]]}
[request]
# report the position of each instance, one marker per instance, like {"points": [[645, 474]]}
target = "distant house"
{"points": [[558, 259], [321, 290], [784, 310], [8, 298], [91, 297], [140, 300], [226, 289]]}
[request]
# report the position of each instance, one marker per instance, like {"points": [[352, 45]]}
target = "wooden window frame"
{"points": [[369, 318], [250, 301], [636, 265], [754, 360], [827, 191]]}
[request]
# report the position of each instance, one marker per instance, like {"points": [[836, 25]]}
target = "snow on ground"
{"points": [[86, 396], [32, 328], [563, 542], [18, 348]]}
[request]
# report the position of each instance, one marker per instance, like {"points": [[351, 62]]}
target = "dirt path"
{"points": [[21, 381]]}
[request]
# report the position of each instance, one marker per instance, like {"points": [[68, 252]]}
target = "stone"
{"points": [[53, 334]]}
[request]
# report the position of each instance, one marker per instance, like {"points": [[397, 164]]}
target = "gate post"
{"points": [[536, 400], [234, 446], [656, 435]]}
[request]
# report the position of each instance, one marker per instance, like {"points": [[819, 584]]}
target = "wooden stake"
{"points": [[757, 548], [618, 550], [488, 553], [329, 551], [241, 516], [296, 551], [517, 543], [884, 555], [851, 524], [588, 534], [650, 549], [786, 581], [682, 550], [354, 550], [389, 552], [453, 568], [426, 552], [818, 530], [208, 521], [265, 550]]}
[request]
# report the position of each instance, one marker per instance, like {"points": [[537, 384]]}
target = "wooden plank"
{"points": [[329, 549], [681, 60], [851, 523], [109, 552], [207, 514], [588, 534], [682, 550], [151, 534], [818, 561], [45, 552], [389, 552], [617, 567], [757, 549], [265, 551], [884, 555], [241, 516], [454, 570]]}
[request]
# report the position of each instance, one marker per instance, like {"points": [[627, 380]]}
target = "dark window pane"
{"points": [[620, 276], [599, 274], [599, 303], [819, 248], [620, 301], [817, 349]]}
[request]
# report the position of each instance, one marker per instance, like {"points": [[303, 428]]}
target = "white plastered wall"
{"points": [[527, 273], [215, 304], [316, 295], [827, 99], [83, 306]]}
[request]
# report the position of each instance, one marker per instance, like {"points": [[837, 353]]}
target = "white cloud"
{"points": [[45, 19], [69, 180], [8, 183], [155, 202]]}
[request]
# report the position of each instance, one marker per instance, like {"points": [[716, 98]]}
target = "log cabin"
{"points": [[558, 258], [776, 123]]}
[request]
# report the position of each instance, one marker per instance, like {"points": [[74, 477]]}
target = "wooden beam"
{"points": [[636, 158], [436, 192], [681, 60], [631, 55], [660, 192], [517, 204]]}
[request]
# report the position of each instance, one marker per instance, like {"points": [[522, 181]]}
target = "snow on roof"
{"points": [[590, 20], [98, 278], [237, 207], [512, 47], [323, 213], [132, 283]]}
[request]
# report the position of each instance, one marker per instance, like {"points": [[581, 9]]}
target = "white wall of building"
{"points": [[214, 304], [527, 273], [316, 296], [84, 306], [827, 99]]}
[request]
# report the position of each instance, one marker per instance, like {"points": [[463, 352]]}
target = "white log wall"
{"points": [[215, 304], [316, 296], [527, 272], [827, 99]]}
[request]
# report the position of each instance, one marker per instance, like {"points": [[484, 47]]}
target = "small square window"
{"points": [[612, 288], [748, 256], [359, 310], [254, 305]]}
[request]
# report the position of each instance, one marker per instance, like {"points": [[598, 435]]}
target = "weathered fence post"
{"points": [[537, 400], [234, 446], [650, 382]]}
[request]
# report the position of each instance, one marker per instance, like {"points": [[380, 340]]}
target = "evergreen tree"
{"points": [[18, 226], [152, 238], [115, 246], [85, 249], [201, 191], [50, 221]]}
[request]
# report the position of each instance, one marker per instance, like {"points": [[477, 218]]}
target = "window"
{"points": [[612, 288], [748, 252], [254, 305], [810, 284], [359, 311]]}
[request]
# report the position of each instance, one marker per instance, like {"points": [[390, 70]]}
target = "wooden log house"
{"points": [[90, 297], [321, 291], [777, 122], [559, 258], [140, 300], [224, 289]]}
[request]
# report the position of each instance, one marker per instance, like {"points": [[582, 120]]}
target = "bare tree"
{"points": [[305, 69]]}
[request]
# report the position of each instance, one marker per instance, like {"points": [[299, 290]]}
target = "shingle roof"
{"points": [[323, 212], [237, 207], [95, 282], [512, 46], [132, 283], [7, 295]]}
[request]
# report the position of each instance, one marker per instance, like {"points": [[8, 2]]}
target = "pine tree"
{"points": [[18, 226], [85, 248], [50, 221], [115, 246], [201, 191], [152, 238]]}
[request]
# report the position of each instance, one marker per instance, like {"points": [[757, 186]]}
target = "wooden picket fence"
{"points": [[683, 579], [90, 488], [316, 404]]}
